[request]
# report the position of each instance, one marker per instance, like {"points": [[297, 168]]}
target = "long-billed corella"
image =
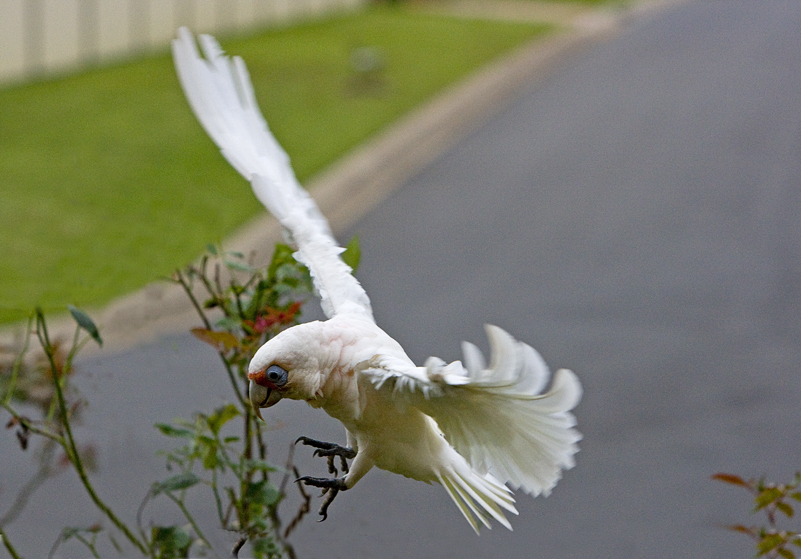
{"points": [[471, 427]]}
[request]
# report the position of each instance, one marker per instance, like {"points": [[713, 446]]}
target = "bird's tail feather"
{"points": [[479, 497]]}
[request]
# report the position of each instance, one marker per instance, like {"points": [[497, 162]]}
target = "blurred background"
{"points": [[110, 161], [39, 37], [632, 213]]}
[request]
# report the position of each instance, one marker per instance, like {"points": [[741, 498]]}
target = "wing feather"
{"points": [[221, 95], [497, 417]]}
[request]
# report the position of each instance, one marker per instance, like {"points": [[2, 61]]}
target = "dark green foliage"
{"points": [[86, 323], [171, 541], [221, 454], [353, 254]]}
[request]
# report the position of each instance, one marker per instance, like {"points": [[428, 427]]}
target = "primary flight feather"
{"points": [[471, 427]]}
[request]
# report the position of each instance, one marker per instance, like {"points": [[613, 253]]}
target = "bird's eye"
{"points": [[276, 375]]}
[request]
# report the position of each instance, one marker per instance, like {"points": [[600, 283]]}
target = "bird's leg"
{"points": [[331, 488], [362, 463], [330, 451]]}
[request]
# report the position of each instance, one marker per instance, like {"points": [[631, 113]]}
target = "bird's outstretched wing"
{"points": [[220, 93], [495, 416]]}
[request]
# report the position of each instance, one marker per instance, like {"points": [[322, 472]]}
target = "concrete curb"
{"points": [[357, 183]]}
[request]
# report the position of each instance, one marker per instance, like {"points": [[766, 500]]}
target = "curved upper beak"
{"points": [[262, 397]]}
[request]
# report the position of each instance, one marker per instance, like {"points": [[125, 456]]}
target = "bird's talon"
{"points": [[331, 488], [326, 503], [323, 482], [330, 451]]}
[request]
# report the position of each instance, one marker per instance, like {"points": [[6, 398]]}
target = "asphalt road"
{"points": [[637, 218]]}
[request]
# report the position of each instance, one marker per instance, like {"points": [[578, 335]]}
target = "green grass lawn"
{"points": [[109, 183]]}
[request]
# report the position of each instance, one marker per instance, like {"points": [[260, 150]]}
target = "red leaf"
{"points": [[732, 479], [742, 529]]}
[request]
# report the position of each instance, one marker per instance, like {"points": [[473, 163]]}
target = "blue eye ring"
{"points": [[276, 375]]}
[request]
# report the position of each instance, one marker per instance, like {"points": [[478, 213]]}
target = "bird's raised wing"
{"points": [[495, 416], [220, 93]]}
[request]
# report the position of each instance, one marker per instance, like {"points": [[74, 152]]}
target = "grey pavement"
{"points": [[637, 218]]}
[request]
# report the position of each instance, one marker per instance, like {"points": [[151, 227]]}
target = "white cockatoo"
{"points": [[471, 427]]}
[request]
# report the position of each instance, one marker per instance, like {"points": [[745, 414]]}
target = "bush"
{"points": [[241, 307], [774, 500]]}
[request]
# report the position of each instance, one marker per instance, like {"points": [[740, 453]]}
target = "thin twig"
{"points": [[30, 425], [208, 325], [17, 365], [217, 499], [189, 517], [8, 546], [217, 281], [290, 468], [305, 507], [70, 446], [77, 536], [195, 303], [42, 473]]}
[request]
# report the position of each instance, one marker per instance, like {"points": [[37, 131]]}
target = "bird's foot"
{"points": [[330, 451], [331, 488]]}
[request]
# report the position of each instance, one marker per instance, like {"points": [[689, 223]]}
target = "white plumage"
{"points": [[471, 427]]}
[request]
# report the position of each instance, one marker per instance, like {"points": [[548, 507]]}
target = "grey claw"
{"points": [[330, 451], [331, 488]]}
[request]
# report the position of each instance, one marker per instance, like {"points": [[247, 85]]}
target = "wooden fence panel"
{"points": [[45, 37]]}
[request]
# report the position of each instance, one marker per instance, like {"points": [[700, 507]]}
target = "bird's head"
{"points": [[287, 366]]}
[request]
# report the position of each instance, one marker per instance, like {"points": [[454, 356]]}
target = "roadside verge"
{"points": [[362, 179]]}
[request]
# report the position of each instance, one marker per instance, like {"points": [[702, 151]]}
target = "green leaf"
{"points": [[207, 441], [766, 497], [176, 483], [786, 509], [265, 547], [281, 255], [210, 458], [71, 532], [263, 493], [285, 287], [768, 543], [796, 496], [211, 249], [172, 431], [787, 554], [352, 254], [260, 465], [239, 266], [227, 323], [86, 323], [221, 416], [172, 541]]}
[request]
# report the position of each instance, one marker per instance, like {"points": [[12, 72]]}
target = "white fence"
{"points": [[39, 37]]}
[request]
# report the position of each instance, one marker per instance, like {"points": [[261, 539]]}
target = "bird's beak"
{"points": [[262, 397]]}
